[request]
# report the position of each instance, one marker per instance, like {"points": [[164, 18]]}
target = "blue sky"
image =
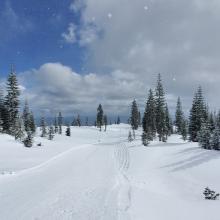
{"points": [[30, 34]]}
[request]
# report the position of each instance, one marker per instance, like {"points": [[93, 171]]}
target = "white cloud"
{"points": [[70, 35], [57, 87]]}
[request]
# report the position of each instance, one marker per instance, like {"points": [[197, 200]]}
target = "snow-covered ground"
{"points": [[95, 175]]}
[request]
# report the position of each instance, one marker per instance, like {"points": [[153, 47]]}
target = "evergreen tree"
{"points": [[184, 129], [134, 115], [211, 122], [105, 120], [1, 110], [179, 116], [146, 138], [26, 116], [32, 123], [60, 123], [43, 127], [139, 118], [198, 114], [118, 120], [55, 125], [20, 129], [160, 110], [11, 103], [169, 124], [78, 121], [99, 118], [204, 136], [28, 141], [51, 133], [149, 118], [68, 131], [215, 139]]}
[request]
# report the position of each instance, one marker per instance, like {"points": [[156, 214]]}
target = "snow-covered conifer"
{"points": [[134, 118], [99, 117], [60, 123], [204, 136]]}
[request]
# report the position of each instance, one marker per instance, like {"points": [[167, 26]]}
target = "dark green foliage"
{"points": [[99, 117], [28, 141], [198, 114], [60, 123], [160, 110], [169, 124], [118, 120], [11, 104], [183, 131], [68, 131], [204, 136], [149, 118], [43, 127], [215, 139], [134, 118], [179, 116], [51, 133]]}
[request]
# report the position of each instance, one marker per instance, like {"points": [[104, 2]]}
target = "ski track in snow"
{"points": [[119, 197]]}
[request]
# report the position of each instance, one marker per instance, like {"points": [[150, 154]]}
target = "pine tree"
{"points": [[68, 131], [60, 123], [118, 120], [169, 124], [183, 131], [28, 141], [198, 114], [160, 110], [55, 124], [26, 116], [20, 129], [11, 103], [43, 127], [78, 121], [1, 110], [215, 139], [51, 133], [149, 118], [146, 138], [105, 120], [179, 116], [204, 136], [99, 118], [134, 115], [32, 123], [139, 118], [211, 122]]}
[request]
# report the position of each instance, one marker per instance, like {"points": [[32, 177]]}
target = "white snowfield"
{"points": [[96, 175]]}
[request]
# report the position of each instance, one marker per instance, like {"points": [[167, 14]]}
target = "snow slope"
{"points": [[100, 176]]}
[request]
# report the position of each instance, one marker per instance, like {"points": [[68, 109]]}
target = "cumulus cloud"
{"points": [[54, 87]]}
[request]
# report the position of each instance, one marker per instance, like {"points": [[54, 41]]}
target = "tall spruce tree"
{"points": [[11, 103], [32, 123], [160, 110], [169, 124], [43, 127], [149, 118], [1, 110], [215, 139], [60, 123], [134, 119], [204, 136], [99, 117], [179, 116], [198, 115]]}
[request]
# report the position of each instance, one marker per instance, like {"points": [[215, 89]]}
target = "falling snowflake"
{"points": [[109, 15], [145, 7]]}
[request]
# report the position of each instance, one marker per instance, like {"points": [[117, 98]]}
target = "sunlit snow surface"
{"points": [[100, 176]]}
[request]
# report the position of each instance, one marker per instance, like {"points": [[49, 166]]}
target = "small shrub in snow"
{"points": [[210, 194], [68, 132]]}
